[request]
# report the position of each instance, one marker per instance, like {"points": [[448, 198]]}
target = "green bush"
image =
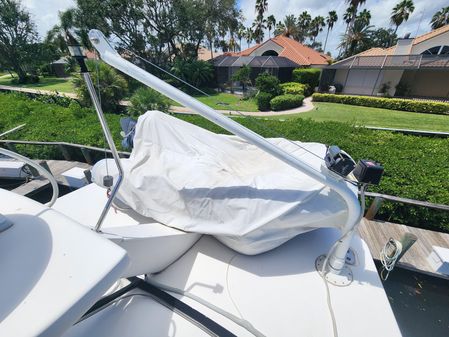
{"points": [[385, 103], [287, 101], [294, 88], [263, 101], [268, 83], [309, 76], [145, 99], [113, 86], [415, 167]]}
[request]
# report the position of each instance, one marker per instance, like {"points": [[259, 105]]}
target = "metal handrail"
{"points": [[338, 255]]}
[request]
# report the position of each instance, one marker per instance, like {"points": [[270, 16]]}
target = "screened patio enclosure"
{"points": [[226, 66], [418, 75]]}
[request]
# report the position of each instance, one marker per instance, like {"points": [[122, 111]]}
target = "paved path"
{"points": [[307, 105], [38, 91]]}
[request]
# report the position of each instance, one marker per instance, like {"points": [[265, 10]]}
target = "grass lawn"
{"points": [[45, 83], [367, 116], [232, 102]]}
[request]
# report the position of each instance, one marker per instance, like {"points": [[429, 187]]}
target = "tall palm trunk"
{"points": [[325, 42]]}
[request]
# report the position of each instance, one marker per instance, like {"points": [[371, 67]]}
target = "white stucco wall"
{"points": [[440, 40]]}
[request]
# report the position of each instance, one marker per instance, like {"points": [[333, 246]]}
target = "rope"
{"points": [[388, 257]]}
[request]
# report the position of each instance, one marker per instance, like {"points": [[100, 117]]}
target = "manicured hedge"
{"points": [[294, 88], [310, 76], [415, 167], [263, 101], [386, 103], [287, 101]]}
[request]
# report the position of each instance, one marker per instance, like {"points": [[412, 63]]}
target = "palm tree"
{"points": [[401, 13], [330, 20], [316, 26], [354, 5], [440, 18], [258, 28], [357, 39], [288, 27], [304, 20], [249, 36], [364, 17], [271, 22], [261, 7], [241, 34]]}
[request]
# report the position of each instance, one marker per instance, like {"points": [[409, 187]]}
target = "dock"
{"points": [[376, 233], [57, 167]]}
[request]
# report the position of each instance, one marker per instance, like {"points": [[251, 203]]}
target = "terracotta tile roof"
{"points": [[377, 52], [431, 34], [292, 50], [416, 40]]}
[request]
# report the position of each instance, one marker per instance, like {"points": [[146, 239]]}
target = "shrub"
{"points": [[263, 101], [113, 86], [294, 88], [145, 99], [268, 83], [195, 72], [386, 103], [243, 75], [284, 102], [310, 76], [28, 79]]}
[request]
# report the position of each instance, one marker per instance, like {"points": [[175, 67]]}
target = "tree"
{"points": [[258, 28], [288, 27], [18, 39], [241, 31], [304, 20], [271, 22], [113, 86], [364, 17], [249, 36], [354, 5], [440, 18], [316, 26], [243, 75], [382, 38], [330, 21], [357, 39], [401, 13], [159, 30], [197, 73]]}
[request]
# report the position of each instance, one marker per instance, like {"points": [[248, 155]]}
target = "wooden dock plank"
{"points": [[57, 167], [377, 233]]}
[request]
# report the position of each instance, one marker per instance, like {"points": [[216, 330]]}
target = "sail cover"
{"points": [[192, 179]]}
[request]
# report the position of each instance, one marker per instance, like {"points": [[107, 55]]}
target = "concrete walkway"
{"points": [[306, 106]]}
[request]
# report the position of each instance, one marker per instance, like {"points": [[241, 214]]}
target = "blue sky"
{"points": [[45, 13]]}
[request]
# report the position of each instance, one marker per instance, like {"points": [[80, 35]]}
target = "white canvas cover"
{"points": [[192, 179]]}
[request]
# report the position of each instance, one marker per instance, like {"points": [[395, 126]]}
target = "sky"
{"points": [[45, 14]]}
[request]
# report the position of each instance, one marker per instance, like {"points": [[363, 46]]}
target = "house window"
{"points": [[438, 50], [270, 53]]}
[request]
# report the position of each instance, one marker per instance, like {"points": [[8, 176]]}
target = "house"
{"points": [[417, 67], [278, 55]]}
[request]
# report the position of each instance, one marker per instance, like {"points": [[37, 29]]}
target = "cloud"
{"points": [[44, 13], [380, 14]]}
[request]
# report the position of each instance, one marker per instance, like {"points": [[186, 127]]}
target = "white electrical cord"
{"points": [[388, 257], [237, 320]]}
